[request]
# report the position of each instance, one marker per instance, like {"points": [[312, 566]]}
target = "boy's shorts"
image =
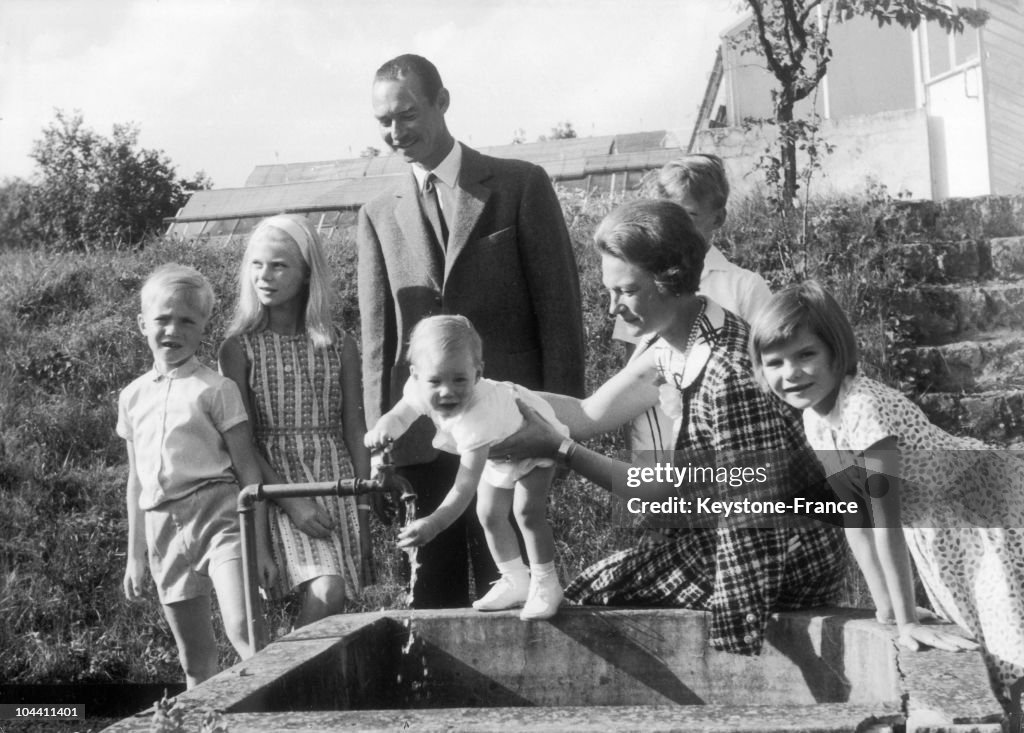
{"points": [[188, 538]]}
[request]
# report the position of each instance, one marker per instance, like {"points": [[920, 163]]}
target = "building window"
{"points": [[193, 229], [328, 221], [247, 224], [947, 52], [221, 228]]}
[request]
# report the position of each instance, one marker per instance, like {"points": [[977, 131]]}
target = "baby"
{"points": [[471, 414]]}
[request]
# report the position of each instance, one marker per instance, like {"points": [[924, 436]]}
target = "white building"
{"points": [[922, 111]]}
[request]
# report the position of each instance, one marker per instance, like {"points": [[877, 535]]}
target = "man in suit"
{"points": [[467, 234]]}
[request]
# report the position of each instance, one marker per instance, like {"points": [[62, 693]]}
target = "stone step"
{"points": [[959, 218], [1007, 256], [940, 262], [935, 314], [990, 363], [996, 417], [943, 262]]}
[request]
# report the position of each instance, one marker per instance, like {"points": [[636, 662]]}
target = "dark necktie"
{"points": [[432, 206]]}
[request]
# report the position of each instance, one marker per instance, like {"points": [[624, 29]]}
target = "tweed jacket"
{"points": [[508, 267]]}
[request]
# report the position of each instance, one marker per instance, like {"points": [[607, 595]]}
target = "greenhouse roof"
{"points": [[219, 203], [349, 183]]}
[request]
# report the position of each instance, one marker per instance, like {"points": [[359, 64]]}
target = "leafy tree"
{"points": [[792, 37], [561, 131], [103, 192]]}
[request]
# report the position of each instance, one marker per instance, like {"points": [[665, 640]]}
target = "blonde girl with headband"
{"points": [[299, 376], [471, 414]]}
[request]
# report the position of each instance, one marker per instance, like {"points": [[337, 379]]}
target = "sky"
{"points": [[225, 85]]}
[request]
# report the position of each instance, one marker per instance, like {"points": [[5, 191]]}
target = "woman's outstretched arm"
{"points": [[539, 438], [621, 398]]}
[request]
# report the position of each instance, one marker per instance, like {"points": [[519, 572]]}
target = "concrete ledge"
{"points": [[830, 718], [589, 669], [946, 690]]}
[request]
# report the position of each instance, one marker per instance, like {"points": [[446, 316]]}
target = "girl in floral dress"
{"points": [[955, 504]]}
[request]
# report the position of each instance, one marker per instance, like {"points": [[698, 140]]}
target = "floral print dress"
{"points": [[961, 507]]}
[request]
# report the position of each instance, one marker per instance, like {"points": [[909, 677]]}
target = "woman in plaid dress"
{"points": [[741, 569]]}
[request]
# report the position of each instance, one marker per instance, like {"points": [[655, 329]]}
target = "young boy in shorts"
{"points": [[698, 183], [189, 449]]}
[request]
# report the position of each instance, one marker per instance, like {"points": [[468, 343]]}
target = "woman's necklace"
{"points": [[695, 328]]}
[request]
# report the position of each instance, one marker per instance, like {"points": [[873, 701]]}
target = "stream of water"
{"points": [[416, 674]]}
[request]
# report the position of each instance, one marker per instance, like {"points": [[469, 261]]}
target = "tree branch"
{"points": [[762, 36]]}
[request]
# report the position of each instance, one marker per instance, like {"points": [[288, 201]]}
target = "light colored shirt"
{"points": [[175, 422], [490, 416], [447, 175], [736, 289]]}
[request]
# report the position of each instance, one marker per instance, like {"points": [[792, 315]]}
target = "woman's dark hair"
{"points": [[657, 236]]}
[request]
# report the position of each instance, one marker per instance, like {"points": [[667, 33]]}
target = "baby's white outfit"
{"points": [[490, 416]]}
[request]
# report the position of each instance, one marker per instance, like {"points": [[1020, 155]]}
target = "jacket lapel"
{"points": [[470, 199], [421, 253]]}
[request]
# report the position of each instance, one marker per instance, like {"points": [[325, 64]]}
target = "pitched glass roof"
{"points": [[349, 183]]}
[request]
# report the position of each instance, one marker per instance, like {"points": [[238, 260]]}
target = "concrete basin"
{"points": [[592, 670]]}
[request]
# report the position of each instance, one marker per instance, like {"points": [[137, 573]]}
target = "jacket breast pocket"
{"points": [[501, 242], [494, 258]]}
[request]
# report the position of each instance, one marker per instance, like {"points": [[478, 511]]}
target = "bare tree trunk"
{"points": [[787, 149]]}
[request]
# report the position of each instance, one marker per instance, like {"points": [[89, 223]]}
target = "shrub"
{"points": [[95, 192]]}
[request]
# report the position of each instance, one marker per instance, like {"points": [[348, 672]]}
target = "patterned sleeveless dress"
{"points": [[296, 400]]}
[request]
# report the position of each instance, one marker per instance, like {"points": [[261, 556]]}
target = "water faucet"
{"points": [[384, 480]]}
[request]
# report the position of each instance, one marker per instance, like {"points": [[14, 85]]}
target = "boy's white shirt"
{"points": [[736, 289], [175, 422]]}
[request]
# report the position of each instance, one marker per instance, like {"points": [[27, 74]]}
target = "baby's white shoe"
{"points": [[506, 592], [544, 599]]}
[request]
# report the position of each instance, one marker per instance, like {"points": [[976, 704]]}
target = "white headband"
{"points": [[289, 226]]}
